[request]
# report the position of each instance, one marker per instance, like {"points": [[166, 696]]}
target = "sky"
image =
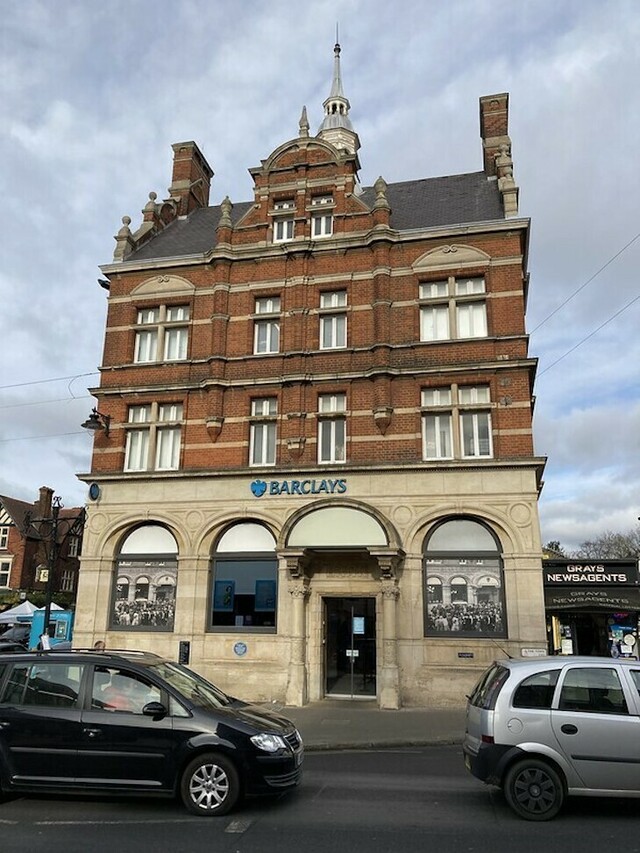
{"points": [[92, 96]]}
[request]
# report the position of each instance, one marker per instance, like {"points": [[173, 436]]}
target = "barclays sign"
{"points": [[298, 487]]}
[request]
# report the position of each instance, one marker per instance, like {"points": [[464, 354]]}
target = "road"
{"points": [[361, 802]]}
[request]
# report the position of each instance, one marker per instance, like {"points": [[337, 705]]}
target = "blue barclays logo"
{"points": [[298, 487], [258, 487]]}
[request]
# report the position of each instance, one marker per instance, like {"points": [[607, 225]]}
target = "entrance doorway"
{"points": [[350, 647]]}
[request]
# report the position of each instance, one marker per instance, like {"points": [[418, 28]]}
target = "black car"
{"points": [[124, 722]]}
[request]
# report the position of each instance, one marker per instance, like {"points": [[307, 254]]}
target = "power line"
{"points": [[591, 334], [46, 402], [588, 281], [40, 437], [44, 381]]}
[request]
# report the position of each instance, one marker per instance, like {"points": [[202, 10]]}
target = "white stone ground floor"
{"points": [[398, 585]]}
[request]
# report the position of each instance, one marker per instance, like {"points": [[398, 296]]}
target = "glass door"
{"points": [[350, 647]]}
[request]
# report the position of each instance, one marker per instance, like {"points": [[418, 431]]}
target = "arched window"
{"points": [[145, 586], [469, 599], [122, 589], [142, 588], [434, 590], [458, 590], [244, 589]]}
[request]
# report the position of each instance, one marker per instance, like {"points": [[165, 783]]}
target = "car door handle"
{"points": [[569, 729], [4, 724], [91, 732]]}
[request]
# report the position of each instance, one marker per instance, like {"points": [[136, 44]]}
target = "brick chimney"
{"points": [[44, 502], [494, 128], [496, 144], [191, 179]]}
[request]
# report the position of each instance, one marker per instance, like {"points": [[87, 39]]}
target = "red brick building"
{"points": [[319, 467], [25, 545]]}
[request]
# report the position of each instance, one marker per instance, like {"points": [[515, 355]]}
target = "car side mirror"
{"points": [[154, 709]]}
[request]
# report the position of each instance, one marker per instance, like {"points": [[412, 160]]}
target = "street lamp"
{"points": [[97, 421], [53, 531]]}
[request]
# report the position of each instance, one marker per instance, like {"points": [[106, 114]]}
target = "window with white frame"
{"points": [[262, 443], [333, 319], [5, 572], [475, 421], [284, 225], [167, 436], [266, 338], [67, 580], [456, 422], [453, 308], [322, 220], [74, 546], [162, 333], [332, 427], [4, 538], [437, 434], [153, 433]]}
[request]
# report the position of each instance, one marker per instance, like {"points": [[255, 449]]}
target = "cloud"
{"points": [[92, 97]]}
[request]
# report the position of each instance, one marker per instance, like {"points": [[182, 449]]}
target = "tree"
{"points": [[612, 546], [555, 548]]}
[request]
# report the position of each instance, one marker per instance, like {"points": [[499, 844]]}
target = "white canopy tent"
{"points": [[18, 613]]}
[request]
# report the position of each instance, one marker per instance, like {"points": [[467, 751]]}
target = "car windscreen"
{"points": [[191, 686]]}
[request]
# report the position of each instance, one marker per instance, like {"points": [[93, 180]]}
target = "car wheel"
{"points": [[210, 785], [534, 790]]}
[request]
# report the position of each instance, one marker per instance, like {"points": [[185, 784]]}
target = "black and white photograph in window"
{"points": [[463, 584], [144, 595]]}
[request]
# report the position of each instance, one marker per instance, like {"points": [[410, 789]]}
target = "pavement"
{"points": [[358, 724]]}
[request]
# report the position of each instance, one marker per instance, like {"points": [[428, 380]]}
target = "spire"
{"points": [[336, 126]]}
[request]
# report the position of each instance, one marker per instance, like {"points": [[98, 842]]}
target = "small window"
{"points": [[4, 538], [283, 229], [537, 690]]}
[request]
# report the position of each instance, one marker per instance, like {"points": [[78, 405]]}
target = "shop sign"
{"points": [[590, 572], [298, 487], [603, 598]]}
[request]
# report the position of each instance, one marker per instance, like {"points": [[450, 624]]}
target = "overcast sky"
{"points": [[93, 95]]}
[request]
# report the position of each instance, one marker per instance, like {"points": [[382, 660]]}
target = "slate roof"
{"points": [[426, 203]]}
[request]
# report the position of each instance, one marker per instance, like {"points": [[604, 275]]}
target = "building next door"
{"points": [[350, 647]]}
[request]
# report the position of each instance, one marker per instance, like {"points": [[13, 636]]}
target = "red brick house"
{"points": [[317, 461], [25, 545]]}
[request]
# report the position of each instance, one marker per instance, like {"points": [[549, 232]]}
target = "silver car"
{"points": [[551, 727]]}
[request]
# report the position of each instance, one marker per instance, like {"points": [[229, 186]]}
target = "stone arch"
{"points": [[298, 145], [353, 524], [164, 286], [510, 539], [454, 256], [111, 537]]}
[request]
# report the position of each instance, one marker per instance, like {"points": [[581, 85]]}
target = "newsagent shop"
{"points": [[592, 607]]}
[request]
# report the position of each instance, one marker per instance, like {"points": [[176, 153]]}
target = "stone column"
{"points": [[389, 674], [297, 694], [388, 563]]}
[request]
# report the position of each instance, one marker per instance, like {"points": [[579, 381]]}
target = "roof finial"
{"points": [[304, 123], [336, 126]]}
